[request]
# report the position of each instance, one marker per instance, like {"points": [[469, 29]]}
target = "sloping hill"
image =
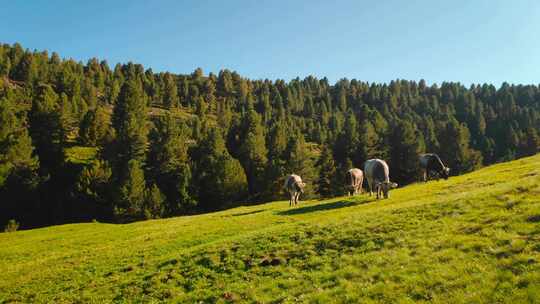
{"points": [[472, 239]]}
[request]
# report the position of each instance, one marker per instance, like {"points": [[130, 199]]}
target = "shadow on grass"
{"points": [[323, 207], [248, 213]]}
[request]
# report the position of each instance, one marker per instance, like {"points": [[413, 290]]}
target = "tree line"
{"points": [[170, 144]]}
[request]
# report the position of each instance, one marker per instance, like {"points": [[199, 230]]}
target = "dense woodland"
{"points": [[87, 141]]}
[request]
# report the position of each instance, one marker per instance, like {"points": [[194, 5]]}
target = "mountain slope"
{"points": [[473, 238]]}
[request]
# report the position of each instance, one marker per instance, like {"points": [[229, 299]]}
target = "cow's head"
{"points": [[300, 187], [386, 186], [445, 172]]}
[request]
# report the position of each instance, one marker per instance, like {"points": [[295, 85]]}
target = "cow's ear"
{"points": [[394, 185]]}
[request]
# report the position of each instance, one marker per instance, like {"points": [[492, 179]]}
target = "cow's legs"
{"points": [[291, 197], [425, 176], [296, 198]]}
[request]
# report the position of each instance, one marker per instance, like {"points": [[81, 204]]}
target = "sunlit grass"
{"points": [[80, 154], [472, 239]]}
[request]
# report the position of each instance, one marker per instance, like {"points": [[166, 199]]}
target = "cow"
{"points": [[431, 164], [377, 175], [294, 186], [354, 179]]}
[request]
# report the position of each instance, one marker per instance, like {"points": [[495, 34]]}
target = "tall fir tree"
{"points": [[221, 179], [407, 143], [328, 179], [252, 151], [127, 151], [168, 164], [46, 130]]}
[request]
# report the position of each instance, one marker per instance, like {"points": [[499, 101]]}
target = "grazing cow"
{"points": [[431, 164], [294, 186], [354, 180], [377, 175]]}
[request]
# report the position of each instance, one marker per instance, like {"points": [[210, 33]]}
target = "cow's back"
{"points": [[291, 180], [377, 170], [431, 161]]}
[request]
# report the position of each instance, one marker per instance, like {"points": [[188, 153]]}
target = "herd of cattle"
{"points": [[377, 174]]}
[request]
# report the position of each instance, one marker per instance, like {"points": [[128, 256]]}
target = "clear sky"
{"points": [[471, 41]]}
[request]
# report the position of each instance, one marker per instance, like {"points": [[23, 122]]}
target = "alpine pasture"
{"points": [[474, 238]]}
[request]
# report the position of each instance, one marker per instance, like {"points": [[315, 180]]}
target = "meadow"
{"points": [[473, 238]]}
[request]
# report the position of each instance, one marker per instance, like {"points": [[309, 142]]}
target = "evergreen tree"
{"points": [[16, 150], [169, 164], [531, 143], [407, 144], [455, 149], [153, 205], [368, 143], [94, 127], [252, 151], [130, 197], [46, 130], [328, 181], [170, 92], [127, 150], [221, 178], [129, 121], [299, 160], [275, 169]]}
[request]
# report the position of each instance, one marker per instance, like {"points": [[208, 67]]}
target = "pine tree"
{"points": [[169, 164], [153, 205], [129, 121], [455, 149], [46, 130], [531, 144], [127, 151], [348, 141], [130, 196], [16, 150], [368, 143], [299, 161], [170, 92], [252, 151], [277, 140], [407, 144], [221, 173], [328, 181], [93, 128]]}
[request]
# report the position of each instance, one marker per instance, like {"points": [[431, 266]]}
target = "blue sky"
{"points": [[376, 41]]}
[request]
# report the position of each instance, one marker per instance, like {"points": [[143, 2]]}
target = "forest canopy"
{"points": [[87, 141]]}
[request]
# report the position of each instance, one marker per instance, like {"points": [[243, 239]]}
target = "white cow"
{"points": [[294, 186], [378, 177]]}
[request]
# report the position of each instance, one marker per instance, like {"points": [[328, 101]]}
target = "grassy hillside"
{"points": [[472, 239]]}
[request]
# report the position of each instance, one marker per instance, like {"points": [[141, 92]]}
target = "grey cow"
{"points": [[431, 164], [354, 180], [378, 177], [294, 186]]}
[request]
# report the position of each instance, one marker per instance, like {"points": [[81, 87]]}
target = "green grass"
{"points": [[80, 155], [472, 239]]}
